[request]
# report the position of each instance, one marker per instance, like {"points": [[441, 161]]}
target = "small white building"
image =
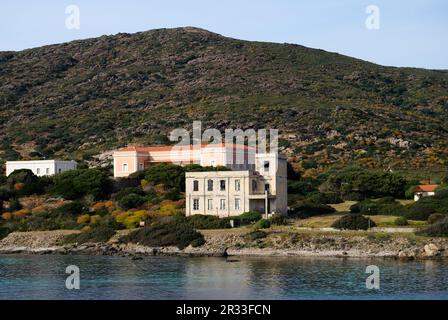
{"points": [[41, 167], [231, 193], [424, 191]]}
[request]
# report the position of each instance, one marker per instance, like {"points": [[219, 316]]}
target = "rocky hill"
{"points": [[83, 98]]}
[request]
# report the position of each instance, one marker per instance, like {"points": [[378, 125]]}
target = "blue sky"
{"points": [[412, 33]]}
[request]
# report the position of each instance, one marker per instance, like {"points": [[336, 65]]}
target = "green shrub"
{"points": [[204, 222], [437, 203], [368, 207], [419, 211], [52, 220], [177, 233], [255, 235], [71, 208], [262, 224], [249, 217], [401, 221], [119, 184], [169, 175], [302, 187], [100, 233], [4, 232], [410, 191], [441, 193], [30, 183], [324, 198], [173, 195], [384, 206], [131, 201], [198, 242], [438, 229], [21, 176], [367, 183], [75, 184], [279, 220], [386, 200], [5, 194], [127, 191], [353, 222], [435, 217], [307, 209], [353, 196]]}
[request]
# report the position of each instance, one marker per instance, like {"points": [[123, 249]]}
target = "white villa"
{"points": [[231, 193], [41, 167], [256, 182]]}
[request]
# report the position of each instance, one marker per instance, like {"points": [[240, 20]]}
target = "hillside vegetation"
{"points": [[78, 99]]}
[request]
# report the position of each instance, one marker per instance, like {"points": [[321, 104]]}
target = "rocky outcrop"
{"points": [[236, 243], [36, 241]]}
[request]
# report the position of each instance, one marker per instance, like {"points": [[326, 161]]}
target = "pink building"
{"points": [[132, 159]]}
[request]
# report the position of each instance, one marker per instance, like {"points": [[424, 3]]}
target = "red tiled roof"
{"points": [[427, 188], [169, 148]]}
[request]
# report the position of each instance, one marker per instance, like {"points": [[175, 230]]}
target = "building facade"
{"points": [[41, 167], [132, 159], [254, 181], [231, 193]]}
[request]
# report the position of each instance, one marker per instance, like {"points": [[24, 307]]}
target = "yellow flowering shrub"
{"points": [[132, 219], [84, 219], [22, 213], [37, 210], [169, 208], [86, 229], [95, 219]]}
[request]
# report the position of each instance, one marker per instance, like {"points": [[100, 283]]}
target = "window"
{"points": [[195, 204], [266, 166], [237, 204], [223, 185], [38, 170], [142, 166], [222, 204], [59, 170], [237, 185], [125, 167], [267, 187], [195, 185], [210, 185], [210, 204], [254, 185], [47, 171]]}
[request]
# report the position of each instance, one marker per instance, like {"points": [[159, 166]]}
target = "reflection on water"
{"points": [[43, 277]]}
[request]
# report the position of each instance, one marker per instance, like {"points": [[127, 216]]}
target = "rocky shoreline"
{"points": [[234, 244]]}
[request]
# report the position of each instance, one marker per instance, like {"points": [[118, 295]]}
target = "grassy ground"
{"points": [[327, 220], [343, 207]]}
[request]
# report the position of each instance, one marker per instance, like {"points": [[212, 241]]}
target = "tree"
{"points": [[24, 182], [368, 183], [75, 184], [131, 201], [169, 175]]}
